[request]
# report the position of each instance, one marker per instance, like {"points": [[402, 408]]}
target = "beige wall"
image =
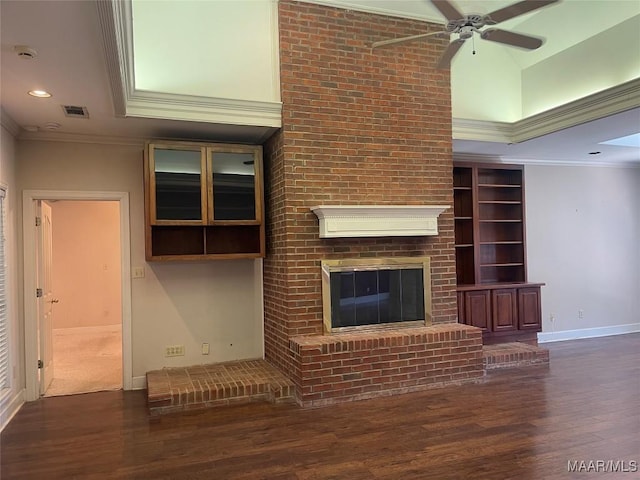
{"points": [[11, 402], [86, 263], [179, 303], [583, 226]]}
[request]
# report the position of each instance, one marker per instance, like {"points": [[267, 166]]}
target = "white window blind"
{"points": [[4, 330]]}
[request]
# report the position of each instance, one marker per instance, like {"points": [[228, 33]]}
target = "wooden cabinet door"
{"points": [[505, 309], [529, 311], [477, 309]]}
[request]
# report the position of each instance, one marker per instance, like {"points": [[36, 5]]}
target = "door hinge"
{"points": [[40, 364], [38, 221], [38, 292]]}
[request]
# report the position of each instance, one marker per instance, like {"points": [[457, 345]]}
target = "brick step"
{"points": [[203, 386], [512, 355]]}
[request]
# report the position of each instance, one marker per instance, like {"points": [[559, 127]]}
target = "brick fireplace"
{"points": [[360, 127]]}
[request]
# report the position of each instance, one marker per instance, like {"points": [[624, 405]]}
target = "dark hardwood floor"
{"points": [[523, 424]]}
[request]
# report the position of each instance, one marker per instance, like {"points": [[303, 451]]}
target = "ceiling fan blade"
{"points": [[511, 38], [395, 41], [516, 9], [447, 56], [447, 9]]}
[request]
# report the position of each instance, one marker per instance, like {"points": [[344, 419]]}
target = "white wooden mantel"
{"points": [[378, 220]]}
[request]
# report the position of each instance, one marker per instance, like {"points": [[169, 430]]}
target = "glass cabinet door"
{"points": [[233, 180], [179, 190]]}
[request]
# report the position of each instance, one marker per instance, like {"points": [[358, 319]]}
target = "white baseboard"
{"points": [[545, 337], [10, 407], [139, 383]]}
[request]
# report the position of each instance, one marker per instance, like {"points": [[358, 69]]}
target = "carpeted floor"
{"points": [[86, 359]]}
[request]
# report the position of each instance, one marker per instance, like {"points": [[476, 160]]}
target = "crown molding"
{"points": [[42, 136], [479, 158], [371, 8], [116, 20], [569, 163], [476, 158], [481, 130], [204, 109], [592, 107], [9, 123]]}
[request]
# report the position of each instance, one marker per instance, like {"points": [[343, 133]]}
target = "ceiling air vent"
{"points": [[75, 112]]}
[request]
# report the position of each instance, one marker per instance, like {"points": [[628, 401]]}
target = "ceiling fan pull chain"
{"points": [[473, 44]]}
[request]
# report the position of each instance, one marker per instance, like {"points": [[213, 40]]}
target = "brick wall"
{"points": [[360, 126]]}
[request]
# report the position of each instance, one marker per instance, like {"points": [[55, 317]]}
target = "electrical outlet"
{"points": [[580, 313], [174, 351], [552, 317], [138, 272], [205, 349]]}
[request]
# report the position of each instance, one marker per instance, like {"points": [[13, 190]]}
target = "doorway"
{"points": [[86, 297], [107, 334]]}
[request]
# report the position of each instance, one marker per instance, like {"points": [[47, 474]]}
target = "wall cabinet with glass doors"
{"points": [[203, 201]]}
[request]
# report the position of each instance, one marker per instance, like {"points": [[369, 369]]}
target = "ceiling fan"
{"points": [[466, 25]]}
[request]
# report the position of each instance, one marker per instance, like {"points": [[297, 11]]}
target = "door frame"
{"points": [[30, 276]]}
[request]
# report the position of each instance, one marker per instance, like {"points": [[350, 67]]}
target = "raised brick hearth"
{"points": [[203, 386], [337, 370], [512, 355], [355, 366]]}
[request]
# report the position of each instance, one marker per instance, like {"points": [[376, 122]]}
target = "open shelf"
{"points": [[462, 178], [489, 223], [502, 273], [232, 239]]}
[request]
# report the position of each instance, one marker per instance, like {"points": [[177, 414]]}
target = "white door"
{"points": [[46, 300]]}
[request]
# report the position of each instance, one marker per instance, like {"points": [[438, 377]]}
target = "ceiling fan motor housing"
{"points": [[473, 20]]}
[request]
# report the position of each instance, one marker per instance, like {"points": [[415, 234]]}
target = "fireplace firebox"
{"points": [[376, 293]]}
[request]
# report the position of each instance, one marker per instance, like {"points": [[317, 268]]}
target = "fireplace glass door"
{"points": [[374, 295]]}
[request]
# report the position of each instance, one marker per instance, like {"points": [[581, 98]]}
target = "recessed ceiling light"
{"points": [[595, 153], [39, 93]]}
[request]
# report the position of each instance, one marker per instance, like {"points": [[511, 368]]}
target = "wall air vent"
{"points": [[75, 112]]}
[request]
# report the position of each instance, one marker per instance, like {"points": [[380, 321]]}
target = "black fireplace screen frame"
{"points": [[376, 293]]}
